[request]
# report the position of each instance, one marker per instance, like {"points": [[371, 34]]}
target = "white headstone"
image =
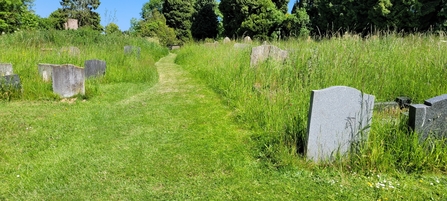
{"points": [[226, 40], [339, 117], [68, 80], [247, 39], [6, 69]]}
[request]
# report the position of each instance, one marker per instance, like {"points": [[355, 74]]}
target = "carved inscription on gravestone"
{"points": [[68, 80], [430, 118], [94, 68], [339, 117]]}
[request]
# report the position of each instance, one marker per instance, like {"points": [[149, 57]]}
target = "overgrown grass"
{"points": [[25, 50], [274, 99]]}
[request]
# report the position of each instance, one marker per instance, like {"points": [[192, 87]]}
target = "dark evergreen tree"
{"points": [[178, 14], [204, 21]]}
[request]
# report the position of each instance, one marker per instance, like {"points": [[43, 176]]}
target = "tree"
{"points": [[149, 6], [155, 26], [112, 28], [178, 15], [204, 20], [82, 10], [16, 15]]}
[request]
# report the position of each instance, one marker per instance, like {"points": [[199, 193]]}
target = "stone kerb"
{"points": [[262, 53], [45, 71], [429, 119], [95, 68], [339, 117], [68, 80], [6, 69], [132, 50]]}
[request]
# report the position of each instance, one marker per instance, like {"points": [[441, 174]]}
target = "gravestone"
{"points": [[339, 117], [241, 45], [226, 40], [213, 45], [430, 118], [68, 80], [247, 39], [10, 81], [261, 53], [132, 50], [94, 68], [72, 51], [71, 24], [174, 47], [6, 69], [45, 71]]}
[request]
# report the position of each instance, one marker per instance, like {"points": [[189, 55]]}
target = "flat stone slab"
{"points": [[262, 53], [429, 119], [338, 117], [68, 80], [46, 71], [95, 68], [6, 69], [10, 81]]}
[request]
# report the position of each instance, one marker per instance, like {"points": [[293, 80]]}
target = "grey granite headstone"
{"points": [[45, 71], [339, 117], [68, 80], [10, 81], [430, 118], [261, 53], [94, 68], [72, 51], [247, 39], [241, 45], [132, 50], [226, 40], [6, 69]]}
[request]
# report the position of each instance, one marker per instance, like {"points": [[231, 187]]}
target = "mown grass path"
{"points": [[172, 141]]}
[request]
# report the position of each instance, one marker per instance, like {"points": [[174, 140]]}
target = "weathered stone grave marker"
{"points": [[174, 47], [6, 69], [10, 81], [68, 80], [226, 40], [95, 68], [261, 53], [247, 39], [213, 45], [46, 71], [339, 117], [72, 51], [132, 50], [430, 118], [241, 45]]}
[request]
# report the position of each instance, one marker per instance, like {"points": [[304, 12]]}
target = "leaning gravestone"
{"points": [[68, 80], [430, 118], [6, 69], [261, 53], [247, 39], [339, 117], [94, 68], [226, 40], [10, 81], [132, 50], [45, 71]]}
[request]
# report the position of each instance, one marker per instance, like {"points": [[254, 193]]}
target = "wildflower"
{"points": [[370, 184]]}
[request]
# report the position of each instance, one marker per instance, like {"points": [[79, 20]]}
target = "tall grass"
{"points": [[25, 50], [274, 99]]}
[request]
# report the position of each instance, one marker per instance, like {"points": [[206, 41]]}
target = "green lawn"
{"points": [[173, 141]]}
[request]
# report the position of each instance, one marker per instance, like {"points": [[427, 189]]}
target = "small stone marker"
{"points": [[226, 40], [132, 50], [46, 71], [241, 45], [430, 118], [261, 53], [72, 51], [94, 68], [12, 81], [338, 117], [68, 80], [6, 69], [247, 39], [174, 47]]}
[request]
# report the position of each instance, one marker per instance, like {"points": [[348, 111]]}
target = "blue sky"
{"points": [[110, 10]]}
